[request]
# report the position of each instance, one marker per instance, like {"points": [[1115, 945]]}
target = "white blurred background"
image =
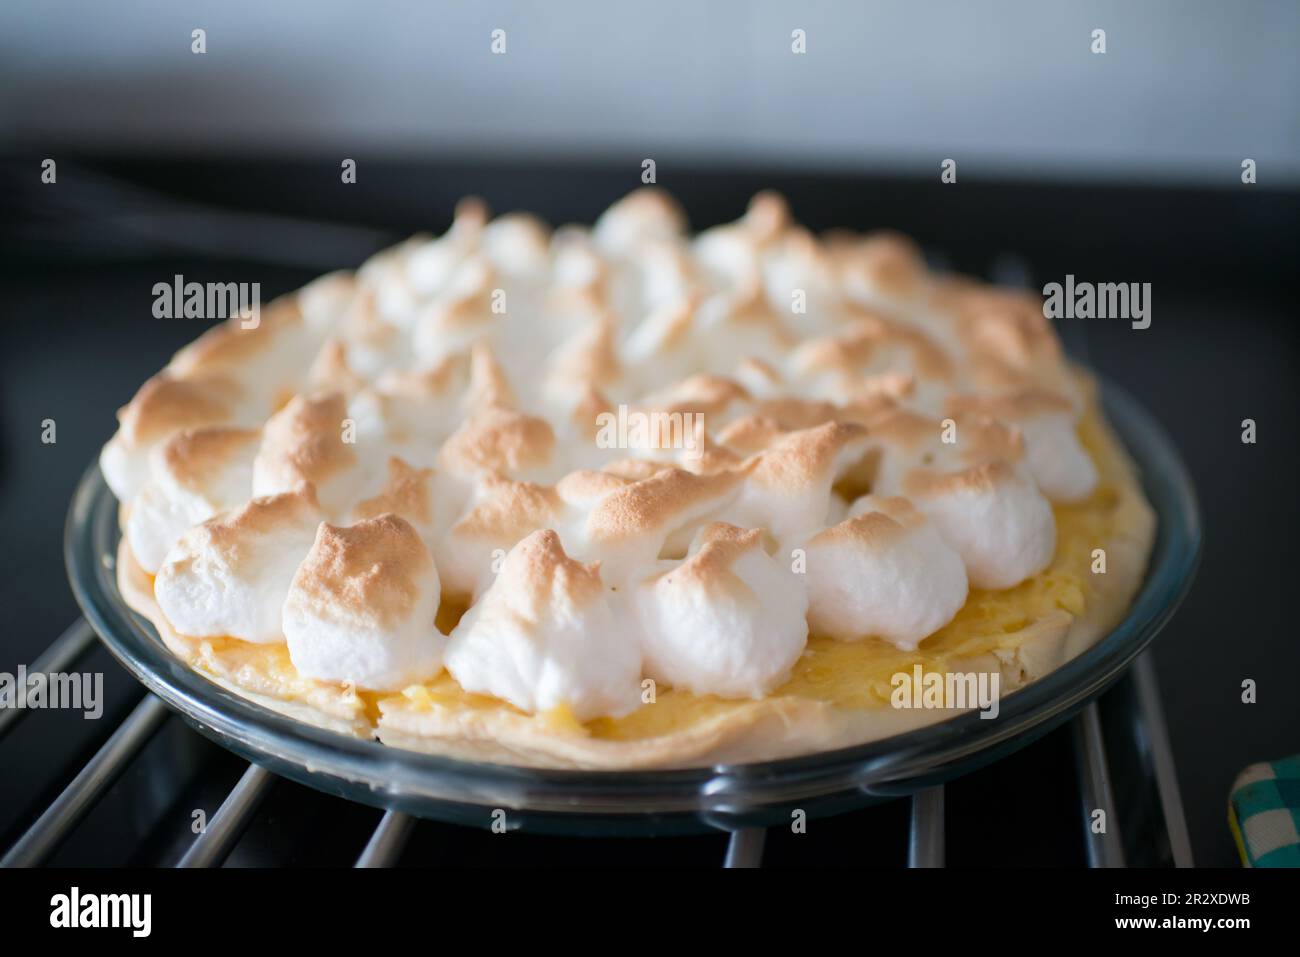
{"points": [[1185, 91]]}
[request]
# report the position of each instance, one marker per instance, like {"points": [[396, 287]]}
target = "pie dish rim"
{"points": [[364, 769]]}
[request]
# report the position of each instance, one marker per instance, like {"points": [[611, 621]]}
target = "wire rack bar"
{"points": [[66, 649], [1105, 849], [89, 784], [214, 844], [925, 844], [386, 844], [1162, 759], [745, 849]]}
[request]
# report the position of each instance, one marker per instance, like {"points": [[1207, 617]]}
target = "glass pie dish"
{"points": [[723, 796]]}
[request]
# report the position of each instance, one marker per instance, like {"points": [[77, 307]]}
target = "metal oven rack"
{"points": [[926, 844]]}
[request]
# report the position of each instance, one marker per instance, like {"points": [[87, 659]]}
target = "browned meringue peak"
{"points": [[993, 516], [163, 406], [501, 513], [872, 343], [373, 570], [189, 457], [793, 412], [706, 394], [262, 515], [268, 361], [424, 266], [731, 253], [982, 438], [661, 342], [518, 244], [193, 475], [901, 440], [439, 382], [667, 274], [499, 440], [228, 576], [583, 488], [540, 571], [636, 468], [761, 379], [544, 636], [461, 313], [630, 527], [1003, 325], [645, 214], [788, 486], [884, 572], [712, 457], [304, 442], [387, 276], [1011, 407], [751, 433], [576, 265], [167, 403], [330, 370], [719, 546], [877, 526], [229, 348], [587, 360], [741, 320], [881, 265], [324, 300], [373, 343], [361, 608], [584, 419], [416, 407], [766, 217], [1047, 420], [798, 263], [728, 621], [408, 492], [488, 383]]}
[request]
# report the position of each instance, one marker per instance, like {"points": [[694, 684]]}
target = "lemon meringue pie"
{"points": [[622, 497]]}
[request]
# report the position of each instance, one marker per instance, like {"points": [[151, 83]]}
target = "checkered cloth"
{"points": [[1264, 814]]}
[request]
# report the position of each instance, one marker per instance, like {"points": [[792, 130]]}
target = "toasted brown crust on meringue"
{"points": [[496, 439], [652, 504], [372, 569], [878, 529], [304, 440], [257, 519], [228, 346], [704, 394], [488, 383], [165, 404], [191, 454], [927, 482], [406, 494], [430, 382], [331, 369], [799, 458], [509, 509], [539, 569], [720, 545], [1013, 406]]}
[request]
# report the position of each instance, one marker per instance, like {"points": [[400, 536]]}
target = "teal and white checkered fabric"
{"points": [[1264, 813]]}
